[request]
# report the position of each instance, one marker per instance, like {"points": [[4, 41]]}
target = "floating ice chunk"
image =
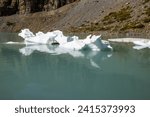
{"points": [[73, 45], [96, 44], [39, 38], [94, 38], [127, 40], [36, 39], [39, 33], [92, 42], [87, 40], [61, 39], [141, 44], [75, 38], [93, 47], [26, 33]]}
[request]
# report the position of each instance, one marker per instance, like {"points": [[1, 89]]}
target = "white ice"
{"points": [[72, 45], [141, 44], [92, 42]]}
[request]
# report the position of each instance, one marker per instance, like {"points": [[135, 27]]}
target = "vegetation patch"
{"points": [[123, 14], [133, 25], [145, 1], [10, 23], [147, 11], [146, 20], [97, 27], [91, 27]]}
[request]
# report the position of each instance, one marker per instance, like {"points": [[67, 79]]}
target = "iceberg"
{"points": [[38, 38], [92, 42], [56, 43]]}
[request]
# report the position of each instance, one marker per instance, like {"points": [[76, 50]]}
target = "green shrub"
{"points": [[147, 11], [123, 14], [145, 1], [132, 25], [146, 20]]}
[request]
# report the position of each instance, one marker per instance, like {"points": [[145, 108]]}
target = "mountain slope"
{"points": [[86, 16]]}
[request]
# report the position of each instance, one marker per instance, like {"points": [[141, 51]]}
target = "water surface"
{"points": [[121, 74]]}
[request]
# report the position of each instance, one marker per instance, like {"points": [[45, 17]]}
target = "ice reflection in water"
{"points": [[56, 50]]}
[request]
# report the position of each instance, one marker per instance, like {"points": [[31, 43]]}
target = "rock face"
{"points": [[9, 7]]}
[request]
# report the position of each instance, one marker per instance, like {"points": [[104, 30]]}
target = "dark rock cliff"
{"points": [[9, 7]]}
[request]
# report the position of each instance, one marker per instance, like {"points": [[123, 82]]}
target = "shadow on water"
{"points": [[44, 73]]}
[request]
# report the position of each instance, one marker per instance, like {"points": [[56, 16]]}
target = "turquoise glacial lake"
{"points": [[32, 73]]}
